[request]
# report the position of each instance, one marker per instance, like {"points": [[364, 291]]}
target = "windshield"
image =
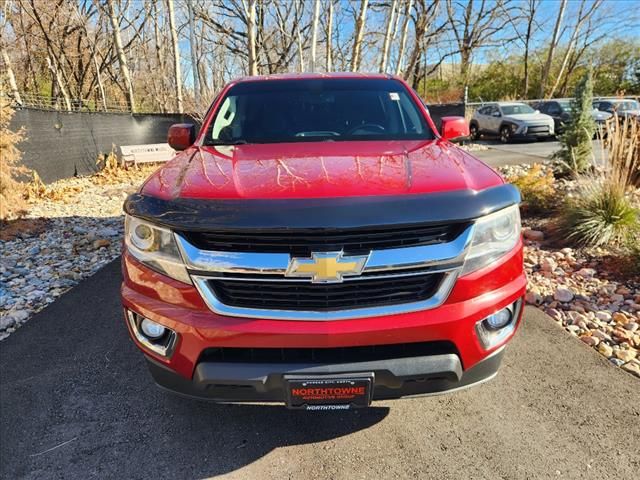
{"points": [[516, 109], [277, 111], [566, 106], [626, 106]]}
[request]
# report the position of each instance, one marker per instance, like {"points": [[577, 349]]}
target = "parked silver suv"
{"points": [[510, 120]]}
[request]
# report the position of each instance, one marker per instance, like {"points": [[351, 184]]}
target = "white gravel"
{"points": [[81, 234]]}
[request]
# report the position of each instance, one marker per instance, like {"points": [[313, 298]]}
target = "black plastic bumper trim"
{"points": [[247, 382], [321, 213]]}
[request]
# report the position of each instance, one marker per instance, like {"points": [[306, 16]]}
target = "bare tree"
{"points": [[97, 54], [177, 74], [403, 36], [525, 14], [194, 53], [250, 12], [425, 34], [552, 47], [530, 15], [314, 34], [583, 16], [358, 36], [160, 59], [474, 28], [388, 36], [328, 34], [122, 59], [5, 56]]}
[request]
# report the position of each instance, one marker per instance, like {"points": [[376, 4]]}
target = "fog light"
{"points": [[151, 335], [152, 329], [499, 319], [497, 327]]}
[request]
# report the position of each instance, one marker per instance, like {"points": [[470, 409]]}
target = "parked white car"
{"points": [[511, 120]]}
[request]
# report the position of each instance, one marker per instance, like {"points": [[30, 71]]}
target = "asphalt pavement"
{"points": [[76, 401], [524, 152]]}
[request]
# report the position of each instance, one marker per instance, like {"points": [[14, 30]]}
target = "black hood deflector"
{"points": [[321, 213]]}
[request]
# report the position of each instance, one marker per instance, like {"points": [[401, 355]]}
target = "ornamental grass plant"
{"points": [[602, 211]]}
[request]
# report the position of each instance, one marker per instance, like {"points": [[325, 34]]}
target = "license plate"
{"points": [[329, 393]]}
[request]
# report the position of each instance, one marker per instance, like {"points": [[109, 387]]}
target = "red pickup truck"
{"points": [[318, 243]]}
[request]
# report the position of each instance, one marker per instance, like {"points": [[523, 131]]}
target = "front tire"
{"points": [[505, 134], [474, 134]]}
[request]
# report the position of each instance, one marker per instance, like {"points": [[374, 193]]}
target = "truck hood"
{"points": [[598, 115], [319, 169], [529, 118]]}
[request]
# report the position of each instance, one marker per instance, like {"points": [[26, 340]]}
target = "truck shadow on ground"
{"points": [[77, 401]]}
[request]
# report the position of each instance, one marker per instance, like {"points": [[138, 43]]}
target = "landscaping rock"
{"points": [[605, 350], [591, 341], [563, 294], [620, 318], [101, 243], [533, 298], [633, 368], [626, 355], [533, 235], [548, 264], [6, 322], [603, 315]]}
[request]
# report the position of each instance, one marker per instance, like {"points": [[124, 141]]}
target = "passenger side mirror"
{"points": [[181, 136], [496, 114], [455, 129]]}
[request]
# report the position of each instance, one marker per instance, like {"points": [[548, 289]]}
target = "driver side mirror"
{"points": [[181, 136], [455, 129]]}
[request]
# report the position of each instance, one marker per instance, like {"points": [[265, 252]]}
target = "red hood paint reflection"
{"points": [[320, 169]]}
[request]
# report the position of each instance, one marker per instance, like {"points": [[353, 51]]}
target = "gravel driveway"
{"points": [[76, 402]]}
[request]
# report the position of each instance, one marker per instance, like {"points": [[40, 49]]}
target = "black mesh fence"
{"points": [[61, 145]]}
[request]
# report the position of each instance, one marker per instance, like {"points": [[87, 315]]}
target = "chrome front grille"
{"points": [[371, 291], [305, 241], [392, 281], [538, 129]]}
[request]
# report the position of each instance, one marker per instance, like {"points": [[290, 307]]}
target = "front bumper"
{"points": [[264, 382], [180, 307], [532, 135], [532, 131]]}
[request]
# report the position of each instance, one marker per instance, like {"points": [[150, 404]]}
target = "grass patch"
{"points": [[601, 213]]}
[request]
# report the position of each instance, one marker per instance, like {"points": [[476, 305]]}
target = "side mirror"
{"points": [[537, 111], [181, 136], [497, 114], [455, 129]]}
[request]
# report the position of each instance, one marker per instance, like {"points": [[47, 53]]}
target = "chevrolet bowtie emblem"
{"points": [[326, 267]]}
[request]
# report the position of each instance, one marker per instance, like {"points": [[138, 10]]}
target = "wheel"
{"points": [[505, 134], [473, 132]]}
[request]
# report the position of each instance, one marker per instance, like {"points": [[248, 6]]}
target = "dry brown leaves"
{"points": [[36, 190]]}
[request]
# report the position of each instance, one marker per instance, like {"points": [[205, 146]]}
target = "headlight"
{"points": [[155, 247], [493, 236]]}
